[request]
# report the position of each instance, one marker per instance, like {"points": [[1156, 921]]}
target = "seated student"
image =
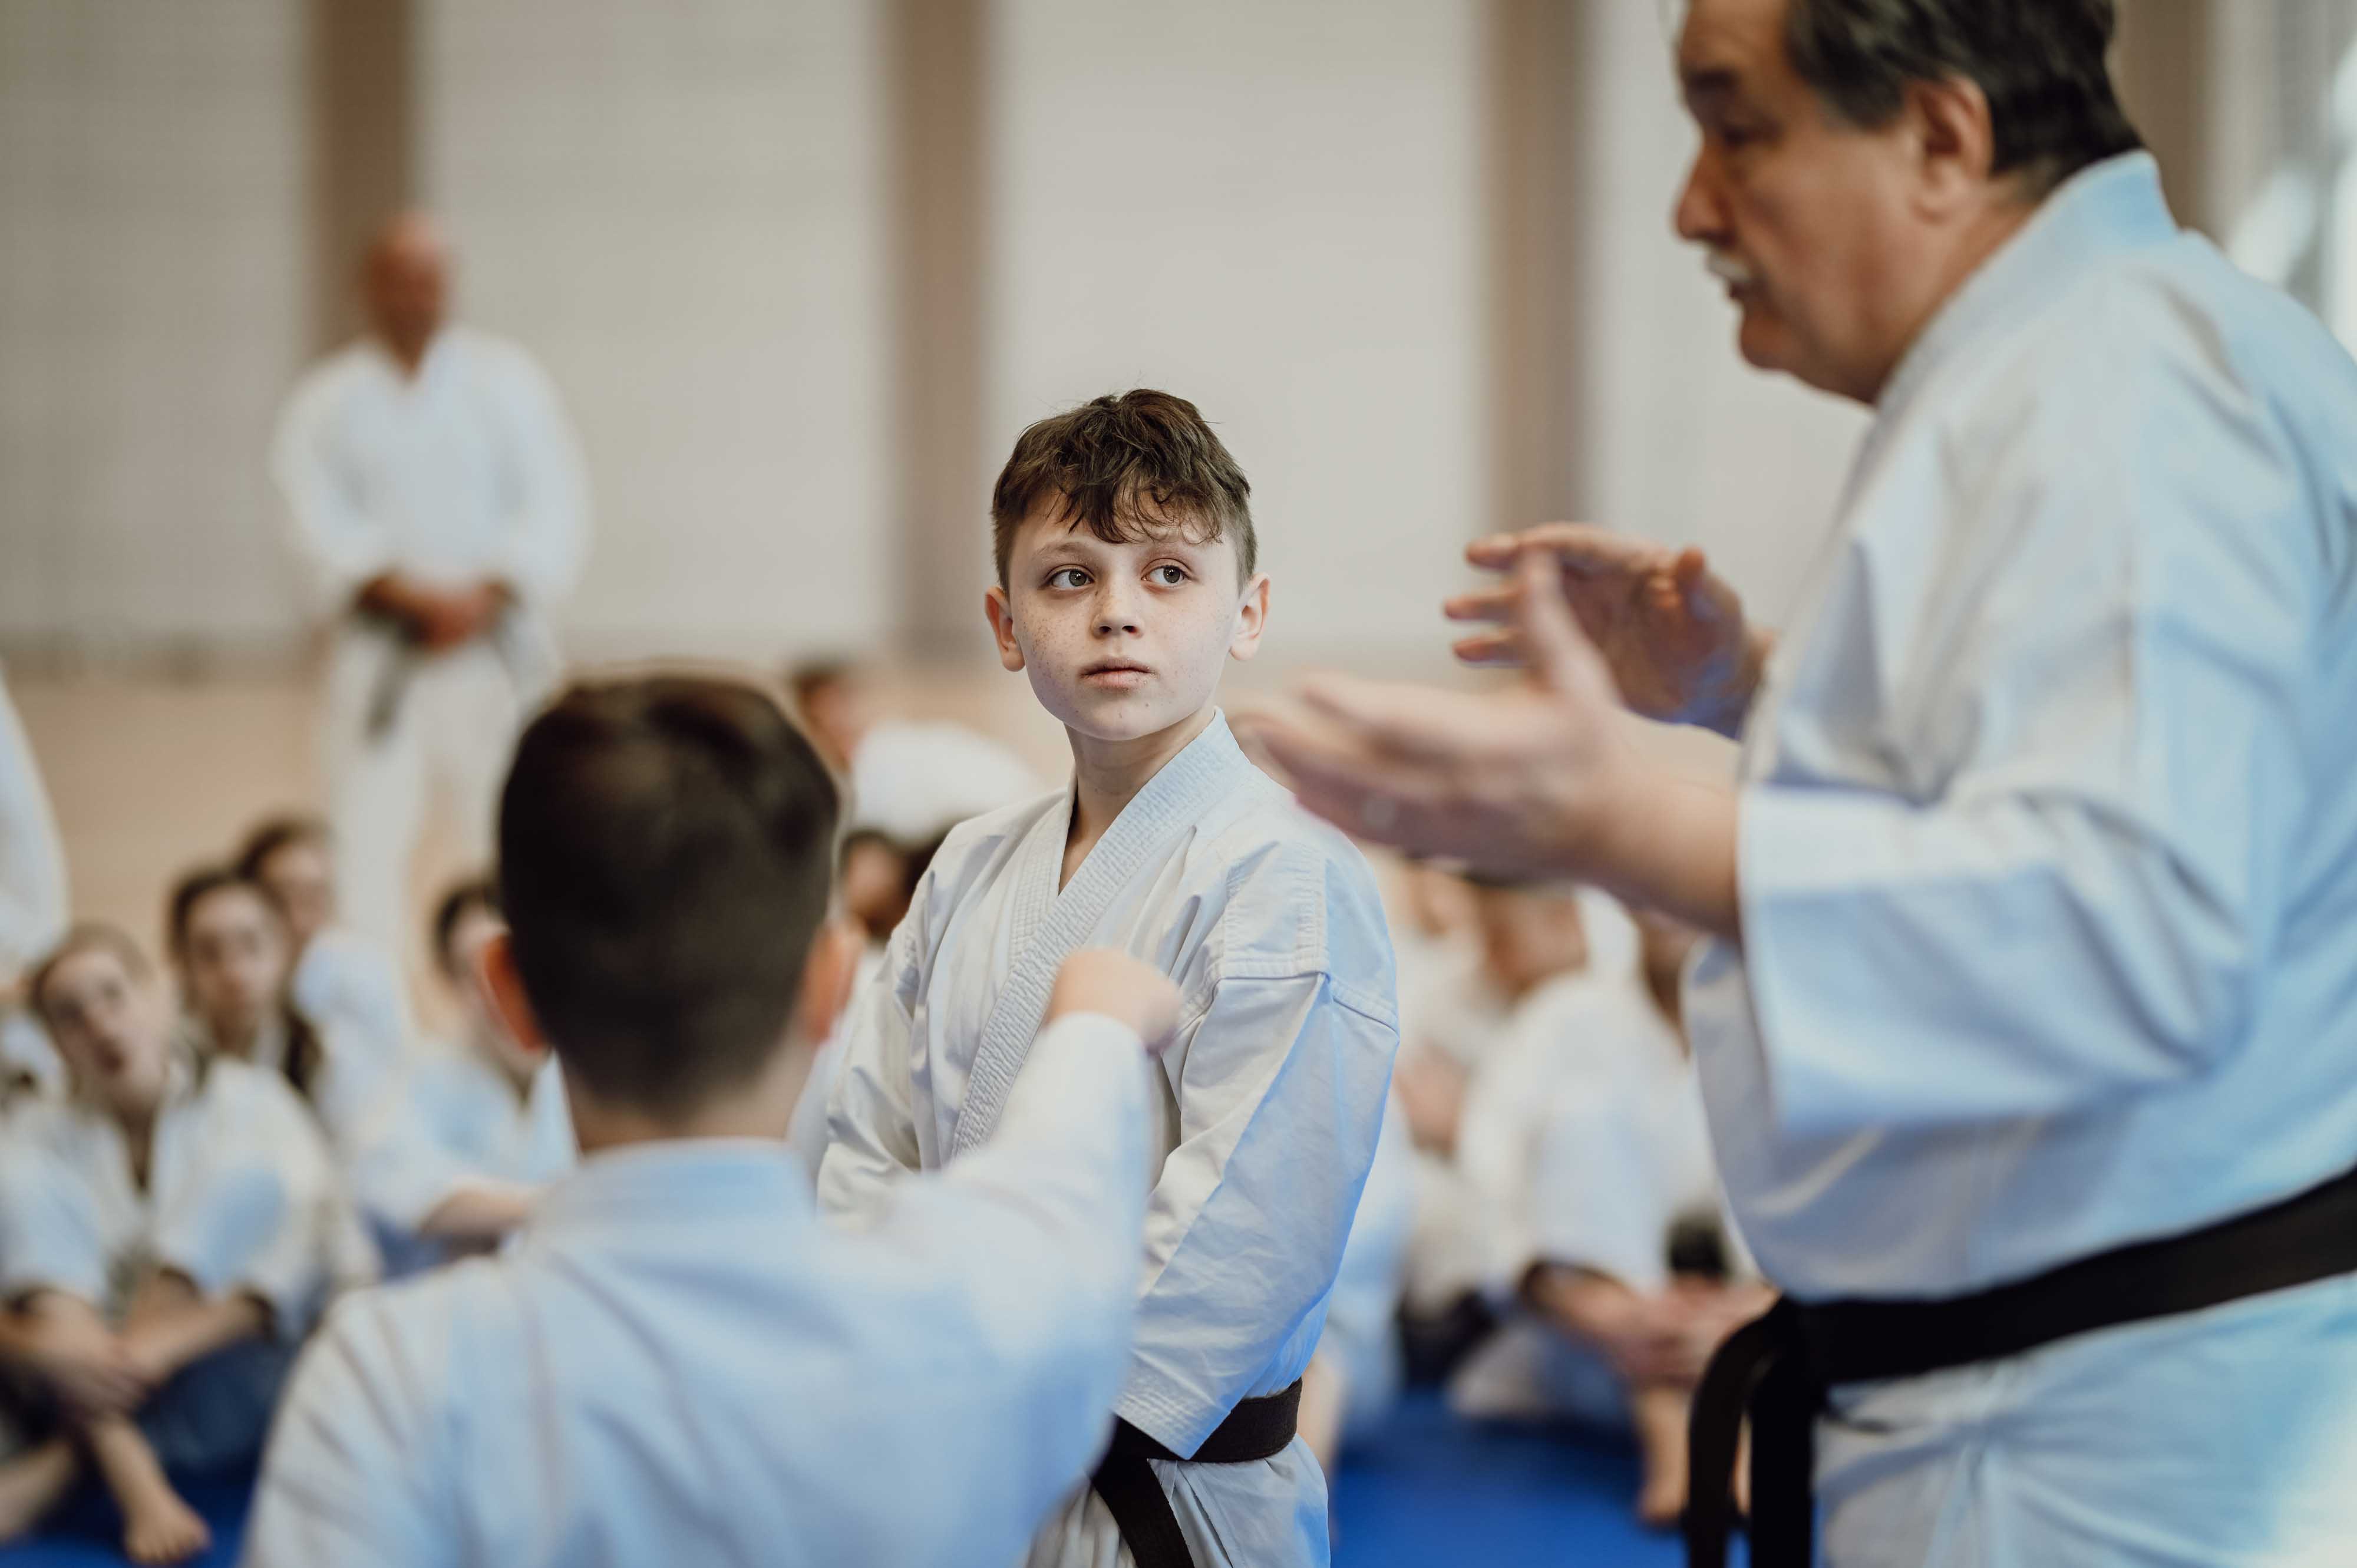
{"points": [[674, 1361], [1126, 580], [1621, 1275], [166, 1233], [341, 979], [477, 1126], [232, 948], [1530, 943]]}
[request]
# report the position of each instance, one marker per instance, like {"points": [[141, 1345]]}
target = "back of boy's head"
{"points": [[1126, 467], [665, 849]]}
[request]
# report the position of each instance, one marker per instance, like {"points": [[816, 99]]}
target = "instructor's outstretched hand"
{"points": [[1670, 630], [1537, 779]]}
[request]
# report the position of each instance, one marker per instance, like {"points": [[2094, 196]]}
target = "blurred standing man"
{"points": [[2025, 1035], [439, 508]]}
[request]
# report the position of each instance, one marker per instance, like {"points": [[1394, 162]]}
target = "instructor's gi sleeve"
{"points": [[2092, 678], [546, 491]]}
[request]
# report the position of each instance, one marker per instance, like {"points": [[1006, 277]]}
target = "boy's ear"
{"points": [[1001, 616], [1251, 619], [495, 971]]}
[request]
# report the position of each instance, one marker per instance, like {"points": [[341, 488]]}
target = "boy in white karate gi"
{"points": [[1127, 569], [342, 978], [477, 1126], [674, 1362], [166, 1233], [32, 905]]}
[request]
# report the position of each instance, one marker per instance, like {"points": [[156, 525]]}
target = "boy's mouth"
{"points": [[1118, 674]]}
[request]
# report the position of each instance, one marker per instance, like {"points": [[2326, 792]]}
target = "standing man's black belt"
{"points": [[1777, 1369], [1257, 1429]]}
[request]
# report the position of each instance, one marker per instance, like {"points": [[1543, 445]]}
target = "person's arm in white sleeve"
{"points": [[871, 1126], [350, 1473], [342, 548], [2080, 900], [33, 897], [540, 555]]}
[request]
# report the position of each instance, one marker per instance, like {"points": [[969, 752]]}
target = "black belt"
{"points": [[1778, 1367], [1257, 1429]]}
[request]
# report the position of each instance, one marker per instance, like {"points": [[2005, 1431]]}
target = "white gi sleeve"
{"points": [[33, 897], [353, 1472], [341, 546], [871, 1126], [548, 538], [1280, 1100], [2103, 719]]}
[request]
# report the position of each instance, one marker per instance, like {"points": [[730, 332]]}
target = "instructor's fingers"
{"points": [[1490, 650], [1486, 603], [1579, 547]]}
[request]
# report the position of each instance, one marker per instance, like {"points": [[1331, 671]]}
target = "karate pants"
{"points": [[453, 732], [2223, 1439]]}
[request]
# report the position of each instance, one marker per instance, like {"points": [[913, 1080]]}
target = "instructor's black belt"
{"points": [[1255, 1429], [1777, 1368]]}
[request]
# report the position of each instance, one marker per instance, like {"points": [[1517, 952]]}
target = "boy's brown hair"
{"points": [[1126, 467]]}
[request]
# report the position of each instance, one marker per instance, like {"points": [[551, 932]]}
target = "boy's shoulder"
{"points": [[1297, 896]]}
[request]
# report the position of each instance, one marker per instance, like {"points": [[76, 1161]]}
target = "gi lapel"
{"points": [[1050, 925]]}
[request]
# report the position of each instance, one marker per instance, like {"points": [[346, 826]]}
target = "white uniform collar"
{"points": [[2102, 211], [676, 1181]]}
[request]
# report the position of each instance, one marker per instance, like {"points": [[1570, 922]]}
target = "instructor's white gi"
{"points": [[1272, 1095], [2049, 876], [464, 472], [677, 1364]]}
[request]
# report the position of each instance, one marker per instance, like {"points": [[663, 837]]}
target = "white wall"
{"points": [[1685, 442], [680, 209], [153, 277], [1272, 207]]}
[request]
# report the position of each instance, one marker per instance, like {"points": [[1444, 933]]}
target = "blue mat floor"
{"points": [[1427, 1489]]}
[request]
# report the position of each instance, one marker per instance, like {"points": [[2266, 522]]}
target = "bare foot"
{"points": [[159, 1526], [163, 1529], [33, 1482], [1661, 1419]]}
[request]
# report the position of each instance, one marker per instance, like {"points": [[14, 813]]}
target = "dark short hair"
{"points": [[1126, 467], [2041, 63], [666, 854], [194, 886], [474, 893], [274, 833]]}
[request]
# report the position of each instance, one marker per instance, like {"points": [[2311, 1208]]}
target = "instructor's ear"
{"points": [[1251, 619], [995, 610], [1954, 143], [505, 985]]}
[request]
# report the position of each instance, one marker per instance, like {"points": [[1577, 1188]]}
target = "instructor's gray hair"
{"points": [[2042, 64]]}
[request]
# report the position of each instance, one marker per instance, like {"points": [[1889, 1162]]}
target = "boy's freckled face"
{"points": [[1123, 640]]}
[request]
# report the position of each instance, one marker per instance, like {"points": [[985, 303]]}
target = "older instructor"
{"points": [[2030, 1029]]}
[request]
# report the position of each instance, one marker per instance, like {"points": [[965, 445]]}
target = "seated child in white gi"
{"points": [[166, 1233], [343, 981], [478, 1127], [1612, 1246], [1128, 580], [233, 951], [674, 1362]]}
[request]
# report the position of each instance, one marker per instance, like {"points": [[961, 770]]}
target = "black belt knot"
{"points": [[1257, 1429]]}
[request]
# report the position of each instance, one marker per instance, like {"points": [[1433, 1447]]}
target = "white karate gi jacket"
{"points": [[33, 895], [240, 1196], [1272, 1095], [454, 1121], [2048, 881], [675, 1363]]}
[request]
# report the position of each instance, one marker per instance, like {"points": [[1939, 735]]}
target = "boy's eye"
{"points": [[1168, 575], [1068, 577]]}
